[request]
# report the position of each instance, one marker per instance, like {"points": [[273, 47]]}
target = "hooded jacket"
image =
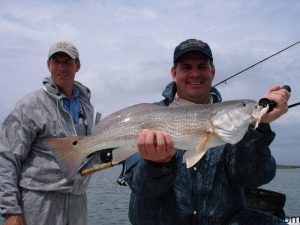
{"points": [[26, 161], [210, 192]]}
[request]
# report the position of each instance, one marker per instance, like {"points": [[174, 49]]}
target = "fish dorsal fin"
{"points": [[125, 113]]}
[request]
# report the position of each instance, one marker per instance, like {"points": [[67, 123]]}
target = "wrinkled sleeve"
{"points": [[16, 136], [150, 179], [250, 162]]}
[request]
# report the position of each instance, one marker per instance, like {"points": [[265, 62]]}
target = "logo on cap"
{"points": [[192, 43]]}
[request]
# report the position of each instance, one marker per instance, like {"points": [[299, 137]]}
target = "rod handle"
{"points": [[94, 169]]}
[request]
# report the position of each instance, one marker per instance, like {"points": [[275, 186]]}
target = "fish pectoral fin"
{"points": [[203, 141], [192, 157], [122, 153]]}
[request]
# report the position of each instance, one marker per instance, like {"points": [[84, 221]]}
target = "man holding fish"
{"points": [[211, 191]]}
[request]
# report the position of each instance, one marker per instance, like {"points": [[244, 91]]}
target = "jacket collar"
{"points": [[52, 89]]}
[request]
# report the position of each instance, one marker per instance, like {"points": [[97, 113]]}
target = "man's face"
{"points": [[63, 69], [193, 75]]}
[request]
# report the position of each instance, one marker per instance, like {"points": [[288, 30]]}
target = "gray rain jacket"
{"points": [[210, 192], [25, 161]]}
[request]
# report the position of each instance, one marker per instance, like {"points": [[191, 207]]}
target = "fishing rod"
{"points": [[255, 64], [293, 105]]}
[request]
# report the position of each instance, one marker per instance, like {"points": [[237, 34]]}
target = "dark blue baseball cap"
{"points": [[192, 45]]}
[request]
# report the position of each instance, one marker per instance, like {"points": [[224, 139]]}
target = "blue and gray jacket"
{"points": [[210, 192]]}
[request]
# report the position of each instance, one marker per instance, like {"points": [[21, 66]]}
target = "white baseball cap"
{"points": [[66, 47]]}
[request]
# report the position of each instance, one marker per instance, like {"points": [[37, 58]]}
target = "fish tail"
{"points": [[68, 154]]}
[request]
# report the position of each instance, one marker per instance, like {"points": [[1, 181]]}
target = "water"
{"points": [[287, 181], [108, 202]]}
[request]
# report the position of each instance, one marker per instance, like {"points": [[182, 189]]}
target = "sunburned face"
{"points": [[193, 75], [63, 69]]}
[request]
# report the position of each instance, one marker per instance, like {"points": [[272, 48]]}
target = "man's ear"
{"points": [[213, 71], [173, 72], [48, 64], [78, 65]]}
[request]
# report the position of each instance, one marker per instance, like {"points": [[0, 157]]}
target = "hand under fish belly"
{"points": [[194, 128]]}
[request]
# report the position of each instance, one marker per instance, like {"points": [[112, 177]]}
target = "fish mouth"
{"points": [[257, 114]]}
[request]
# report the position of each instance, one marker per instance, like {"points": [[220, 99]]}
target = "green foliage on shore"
{"points": [[287, 167]]}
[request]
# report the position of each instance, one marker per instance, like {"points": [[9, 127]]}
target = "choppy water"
{"points": [[287, 181], [108, 202]]}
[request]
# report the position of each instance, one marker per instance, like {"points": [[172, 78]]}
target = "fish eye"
{"points": [[243, 104]]}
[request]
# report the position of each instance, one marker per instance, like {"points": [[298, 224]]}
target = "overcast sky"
{"points": [[126, 50]]}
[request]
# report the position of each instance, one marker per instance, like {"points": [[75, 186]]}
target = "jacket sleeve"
{"points": [[16, 136], [250, 162], [150, 179]]}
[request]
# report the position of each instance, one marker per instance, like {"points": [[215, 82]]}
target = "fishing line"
{"points": [[234, 75], [293, 105]]}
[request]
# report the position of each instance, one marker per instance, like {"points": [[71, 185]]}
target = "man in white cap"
{"points": [[33, 189]]}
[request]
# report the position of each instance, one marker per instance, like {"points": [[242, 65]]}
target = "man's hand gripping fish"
{"points": [[194, 128]]}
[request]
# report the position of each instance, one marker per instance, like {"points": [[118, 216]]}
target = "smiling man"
{"points": [[33, 189], [63, 64], [190, 85], [165, 192]]}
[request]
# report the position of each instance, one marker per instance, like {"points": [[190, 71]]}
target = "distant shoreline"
{"points": [[287, 167]]}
